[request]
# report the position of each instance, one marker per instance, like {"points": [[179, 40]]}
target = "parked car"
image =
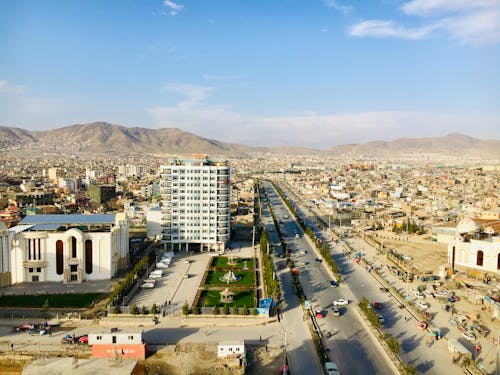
{"points": [[333, 284], [453, 322], [83, 339], [25, 327], [336, 311], [383, 289], [319, 260], [340, 302], [318, 313], [381, 319], [377, 305], [469, 336], [422, 305]]}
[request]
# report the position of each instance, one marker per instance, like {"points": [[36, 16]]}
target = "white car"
{"points": [[419, 295], [340, 302], [423, 305], [469, 336]]}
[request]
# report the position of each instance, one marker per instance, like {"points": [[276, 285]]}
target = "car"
{"points": [[336, 311], [25, 327], [297, 235], [406, 257], [333, 284], [340, 302], [381, 319], [469, 336], [319, 260], [422, 305], [383, 289], [419, 295], [83, 339], [377, 305], [318, 313], [453, 322]]}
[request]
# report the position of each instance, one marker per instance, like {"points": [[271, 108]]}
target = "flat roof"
{"points": [[68, 219]]}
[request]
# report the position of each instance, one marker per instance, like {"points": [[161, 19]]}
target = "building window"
{"points": [[88, 256], [30, 270], [73, 247], [480, 255], [74, 268], [34, 278], [131, 337], [74, 277], [38, 269], [59, 257], [98, 337]]}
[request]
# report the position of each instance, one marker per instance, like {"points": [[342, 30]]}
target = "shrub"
{"points": [[215, 310], [116, 309], [393, 344], [196, 309], [143, 310], [185, 308], [154, 309], [226, 309], [244, 311]]}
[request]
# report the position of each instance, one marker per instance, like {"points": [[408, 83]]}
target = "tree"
{"points": [[185, 308], [46, 305], [393, 344], [116, 309], [226, 309], [154, 309], [143, 310], [410, 370], [244, 311], [215, 310], [195, 309], [134, 310]]}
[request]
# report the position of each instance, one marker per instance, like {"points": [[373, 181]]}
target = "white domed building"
{"points": [[476, 246]]}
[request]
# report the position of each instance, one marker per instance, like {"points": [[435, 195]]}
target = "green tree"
{"points": [[46, 305], [244, 311], [226, 309], [143, 310], [393, 344], [134, 310], [154, 309], [215, 310], [410, 370], [185, 308], [116, 309], [195, 309]]}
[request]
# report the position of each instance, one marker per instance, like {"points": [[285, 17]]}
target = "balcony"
{"points": [[223, 211], [166, 237], [73, 261], [34, 263]]}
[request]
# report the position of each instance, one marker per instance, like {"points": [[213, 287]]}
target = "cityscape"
{"points": [[233, 188]]}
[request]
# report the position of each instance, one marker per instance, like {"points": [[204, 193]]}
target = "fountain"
{"points": [[230, 277]]}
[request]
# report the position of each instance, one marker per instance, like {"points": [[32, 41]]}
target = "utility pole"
{"points": [[253, 236]]}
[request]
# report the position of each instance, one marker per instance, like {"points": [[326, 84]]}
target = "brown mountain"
{"points": [[102, 137], [454, 145]]}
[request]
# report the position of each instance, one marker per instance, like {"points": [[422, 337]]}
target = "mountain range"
{"points": [[102, 137]]}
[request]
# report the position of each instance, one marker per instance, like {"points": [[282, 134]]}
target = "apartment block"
{"points": [[195, 203]]}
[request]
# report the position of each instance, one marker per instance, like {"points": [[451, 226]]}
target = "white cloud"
{"points": [[196, 115], [381, 28], [194, 94], [469, 22], [10, 88], [174, 7], [338, 7]]}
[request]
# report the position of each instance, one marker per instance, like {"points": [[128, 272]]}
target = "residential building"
{"points": [[68, 248], [195, 203], [101, 193]]}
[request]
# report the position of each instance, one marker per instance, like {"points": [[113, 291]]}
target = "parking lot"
{"points": [[173, 289]]}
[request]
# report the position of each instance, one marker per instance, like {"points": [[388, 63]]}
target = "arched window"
{"points": [[480, 255], [88, 256], [59, 257], [73, 247], [498, 262]]}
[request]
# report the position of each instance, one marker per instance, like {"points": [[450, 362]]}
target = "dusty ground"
{"points": [[427, 255], [202, 359]]}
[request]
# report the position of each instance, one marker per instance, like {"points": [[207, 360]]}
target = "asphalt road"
{"points": [[351, 347]]}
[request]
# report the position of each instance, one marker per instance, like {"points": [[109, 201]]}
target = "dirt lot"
{"points": [[202, 359], [427, 255]]}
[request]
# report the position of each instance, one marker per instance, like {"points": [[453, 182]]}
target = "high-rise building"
{"points": [[195, 203]]}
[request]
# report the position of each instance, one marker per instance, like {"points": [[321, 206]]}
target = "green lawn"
{"points": [[247, 278], [240, 299], [55, 300], [222, 262]]}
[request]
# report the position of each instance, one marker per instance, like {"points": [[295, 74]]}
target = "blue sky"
{"points": [[313, 73]]}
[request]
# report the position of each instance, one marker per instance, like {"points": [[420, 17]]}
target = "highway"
{"points": [[351, 347]]}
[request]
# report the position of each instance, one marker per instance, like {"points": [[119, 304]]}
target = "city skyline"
{"points": [[304, 73]]}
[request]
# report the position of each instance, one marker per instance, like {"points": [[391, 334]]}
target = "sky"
{"points": [[313, 73]]}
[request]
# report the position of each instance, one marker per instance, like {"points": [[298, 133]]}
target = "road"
{"points": [[352, 348], [397, 322]]}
